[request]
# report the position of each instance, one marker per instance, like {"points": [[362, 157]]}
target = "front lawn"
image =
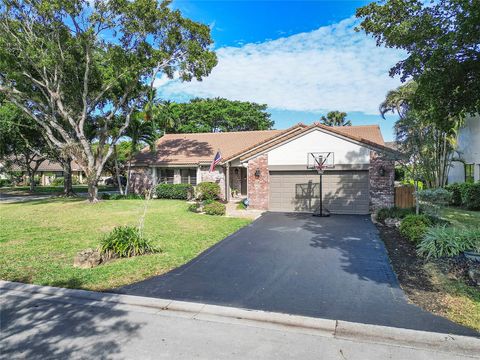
{"points": [[20, 190], [39, 239], [461, 217]]}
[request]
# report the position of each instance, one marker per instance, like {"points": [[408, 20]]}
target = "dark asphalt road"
{"points": [[334, 268]]}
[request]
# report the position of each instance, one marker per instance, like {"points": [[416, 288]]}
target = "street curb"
{"points": [[455, 344]]}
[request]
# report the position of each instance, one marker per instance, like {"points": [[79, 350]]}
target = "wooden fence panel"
{"points": [[404, 196]]}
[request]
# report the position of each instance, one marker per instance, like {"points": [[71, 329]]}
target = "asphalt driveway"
{"points": [[334, 268]]}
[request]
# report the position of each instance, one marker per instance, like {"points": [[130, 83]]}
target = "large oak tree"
{"points": [[75, 67]]}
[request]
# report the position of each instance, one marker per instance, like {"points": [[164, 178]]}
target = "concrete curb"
{"points": [[454, 344]]}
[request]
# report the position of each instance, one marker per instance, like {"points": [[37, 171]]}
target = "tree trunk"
{"points": [[31, 176], [417, 204], [128, 175], [120, 187], [92, 190], [67, 178]]}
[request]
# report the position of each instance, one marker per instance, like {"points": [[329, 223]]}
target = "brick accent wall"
{"points": [[258, 187], [218, 176], [140, 180], [382, 192]]}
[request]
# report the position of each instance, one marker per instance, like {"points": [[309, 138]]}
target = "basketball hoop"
{"points": [[320, 169], [320, 161]]}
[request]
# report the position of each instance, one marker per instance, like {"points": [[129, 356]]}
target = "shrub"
{"points": [[432, 200], [174, 191], [214, 208], [5, 182], [414, 227], [208, 191], [58, 181], [455, 194], [126, 241], [194, 207], [471, 195], [393, 212], [448, 241]]}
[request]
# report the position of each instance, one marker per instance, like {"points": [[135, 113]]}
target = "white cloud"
{"points": [[333, 67]]}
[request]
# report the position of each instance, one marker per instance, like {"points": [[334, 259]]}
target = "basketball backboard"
{"points": [[323, 160]]}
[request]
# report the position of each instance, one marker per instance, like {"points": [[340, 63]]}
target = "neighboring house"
{"points": [[49, 170], [468, 151], [269, 167]]}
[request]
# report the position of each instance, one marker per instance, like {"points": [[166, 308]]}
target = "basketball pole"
{"points": [[320, 213]]}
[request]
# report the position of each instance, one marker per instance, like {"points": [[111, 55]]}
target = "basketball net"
{"points": [[320, 169]]}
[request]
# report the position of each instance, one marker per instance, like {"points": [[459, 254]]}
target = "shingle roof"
{"points": [[191, 149], [47, 166]]}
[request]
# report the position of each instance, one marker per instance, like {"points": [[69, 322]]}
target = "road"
{"points": [[42, 326]]}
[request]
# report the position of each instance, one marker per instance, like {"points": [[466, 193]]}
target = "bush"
{"points": [[393, 212], [471, 195], [124, 197], [5, 182], [174, 191], [432, 200], [194, 207], [58, 181], [208, 191], [214, 208], [126, 241], [414, 227], [448, 241], [455, 194]]}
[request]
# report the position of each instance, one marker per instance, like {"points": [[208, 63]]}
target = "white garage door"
{"points": [[344, 192]]}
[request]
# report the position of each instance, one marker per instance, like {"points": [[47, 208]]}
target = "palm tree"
{"points": [[336, 118], [399, 100]]}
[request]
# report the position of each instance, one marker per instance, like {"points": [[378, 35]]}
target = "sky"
{"points": [[301, 58]]}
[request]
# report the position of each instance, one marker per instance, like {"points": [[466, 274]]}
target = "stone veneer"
{"points": [[382, 192], [140, 180], [258, 187]]}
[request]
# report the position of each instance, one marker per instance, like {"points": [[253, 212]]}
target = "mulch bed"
{"points": [[412, 275]]}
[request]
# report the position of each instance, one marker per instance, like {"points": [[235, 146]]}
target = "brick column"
{"points": [[258, 186], [382, 192]]}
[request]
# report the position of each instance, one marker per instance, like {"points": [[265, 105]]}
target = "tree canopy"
{"points": [[76, 67], [213, 115], [335, 118], [442, 41]]}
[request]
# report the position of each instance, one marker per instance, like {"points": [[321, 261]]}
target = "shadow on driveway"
{"points": [[334, 268]]}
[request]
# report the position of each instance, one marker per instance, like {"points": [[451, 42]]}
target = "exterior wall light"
{"points": [[257, 173], [236, 171], [381, 171]]}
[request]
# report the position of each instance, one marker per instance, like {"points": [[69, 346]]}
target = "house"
{"points": [[468, 151], [270, 167], [48, 171]]}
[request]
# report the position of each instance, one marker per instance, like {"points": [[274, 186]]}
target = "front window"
{"points": [[166, 176], [189, 176], [469, 170]]}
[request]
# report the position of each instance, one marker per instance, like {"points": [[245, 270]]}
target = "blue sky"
{"points": [[301, 58]]}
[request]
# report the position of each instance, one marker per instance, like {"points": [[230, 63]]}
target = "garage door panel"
{"points": [[344, 192]]}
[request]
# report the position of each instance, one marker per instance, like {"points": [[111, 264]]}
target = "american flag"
{"points": [[215, 161]]}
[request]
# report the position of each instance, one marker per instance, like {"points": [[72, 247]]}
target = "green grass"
{"points": [[39, 239], [460, 217], [50, 189]]}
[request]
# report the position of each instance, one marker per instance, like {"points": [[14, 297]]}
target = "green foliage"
{"points": [[126, 241], [393, 212], [58, 181], [107, 196], [208, 191], [194, 207], [442, 241], [209, 115], [432, 200], [335, 118], [241, 206], [5, 182], [214, 208], [441, 42], [174, 191], [455, 193], [414, 227], [471, 195], [399, 173]]}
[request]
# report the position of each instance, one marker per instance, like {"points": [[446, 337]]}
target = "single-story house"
{"points": [[270, 167], [468, 152], [50, 170]]}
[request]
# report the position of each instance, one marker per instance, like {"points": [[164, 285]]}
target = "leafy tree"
{"points": [[20, 142], [441, 39], [335, 118], [213, 115], [75, 67]]}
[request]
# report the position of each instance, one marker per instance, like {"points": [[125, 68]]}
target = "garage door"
{"points": [[344, 192]]}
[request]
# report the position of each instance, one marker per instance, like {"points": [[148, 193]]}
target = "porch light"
{"points": [[381, 171], [257, 173], [236, 171]]}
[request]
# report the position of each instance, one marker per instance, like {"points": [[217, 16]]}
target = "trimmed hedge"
{"points": [[214, 208], [414, 227], [456, 192], [106, 196], [208, 191], [174, 191], [465, 194]]}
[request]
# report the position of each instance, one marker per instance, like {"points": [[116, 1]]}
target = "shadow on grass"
{"points": [[54, 327]]}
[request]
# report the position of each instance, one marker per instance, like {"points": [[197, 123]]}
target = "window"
{"points": [[166, 176], [189, 176], [469, 176]]}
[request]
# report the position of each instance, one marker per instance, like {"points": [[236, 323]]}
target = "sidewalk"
{"points": [[44, 322]]}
